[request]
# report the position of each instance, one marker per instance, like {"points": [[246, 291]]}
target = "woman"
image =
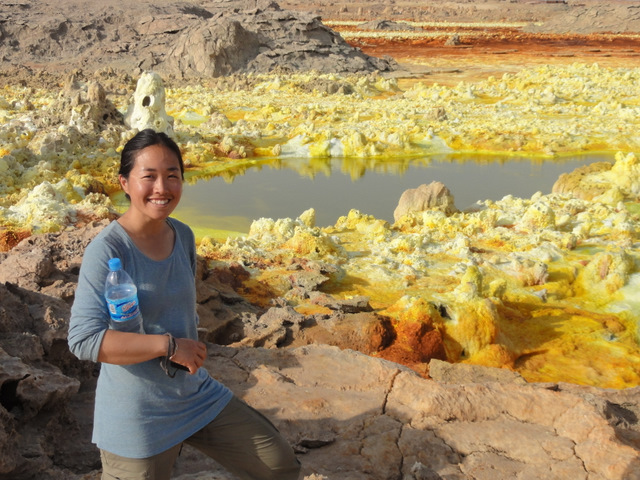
{"points": [[145, 408]]}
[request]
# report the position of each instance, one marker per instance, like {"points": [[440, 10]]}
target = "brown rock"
{"points": [[453, 40], [461, 373], [365, 332], [433, 196]]}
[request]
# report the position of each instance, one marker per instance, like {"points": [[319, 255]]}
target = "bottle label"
{"points": [[123, 309]]}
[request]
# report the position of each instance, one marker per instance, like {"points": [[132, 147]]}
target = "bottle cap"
{"points": [[115, 264]]}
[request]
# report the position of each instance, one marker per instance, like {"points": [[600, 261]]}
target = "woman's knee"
{"points": [[290, 473]]}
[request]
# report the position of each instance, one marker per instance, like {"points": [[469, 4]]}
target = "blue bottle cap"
{"points": [[115, 264]]}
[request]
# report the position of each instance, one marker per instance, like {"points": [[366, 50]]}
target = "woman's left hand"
{"points": [[189, 353]]}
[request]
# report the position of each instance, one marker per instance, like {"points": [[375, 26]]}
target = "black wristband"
{"points": [[165, 362]]}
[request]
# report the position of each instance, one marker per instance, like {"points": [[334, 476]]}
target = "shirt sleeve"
{"points": [[89, 314]]}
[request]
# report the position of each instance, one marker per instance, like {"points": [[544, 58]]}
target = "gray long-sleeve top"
{"points": [[140, 411]]}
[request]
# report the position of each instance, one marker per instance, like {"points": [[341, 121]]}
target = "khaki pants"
{"points": [[240, 439]]}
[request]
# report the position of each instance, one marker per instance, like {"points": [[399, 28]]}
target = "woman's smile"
{"points": [[160, 202]]}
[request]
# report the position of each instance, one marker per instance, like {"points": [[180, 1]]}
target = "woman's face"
{"points": [[154, 183]]}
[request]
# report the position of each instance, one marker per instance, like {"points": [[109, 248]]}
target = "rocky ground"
{"points": [[349, 414], [174, 37]]}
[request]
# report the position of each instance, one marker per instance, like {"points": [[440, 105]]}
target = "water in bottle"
{"points": [[122, 299]]}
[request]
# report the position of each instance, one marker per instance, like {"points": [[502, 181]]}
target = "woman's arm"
{"points": [[125, 348]]}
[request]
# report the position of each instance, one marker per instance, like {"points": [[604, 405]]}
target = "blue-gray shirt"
{"points": [[139, 410]]}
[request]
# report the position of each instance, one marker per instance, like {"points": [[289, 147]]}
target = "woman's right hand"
{"points": [[189, 353]]}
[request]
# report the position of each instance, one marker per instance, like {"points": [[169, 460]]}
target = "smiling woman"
{"points": [[166, 408]]}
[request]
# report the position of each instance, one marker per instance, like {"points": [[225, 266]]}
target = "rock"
{"points": [[537, 217], [603, 182], [365, 332], [606, 273], [590, 17], [214, 49], [83, 106], [218, 121], [433, 196], [308, 217], [453, 40], [386, 25], [148, 107], [528, 272], [418, 334], [480, 316], [349, 305], [27, 269], [462, 373], [27, 396], [385, 420], [219, 305], [437, 113], [270, 330]]}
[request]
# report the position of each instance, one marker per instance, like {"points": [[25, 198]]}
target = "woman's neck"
{"points": [[144, 228], [154, 238]]}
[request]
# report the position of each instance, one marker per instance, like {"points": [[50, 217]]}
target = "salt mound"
{"points": [[603, 181]]}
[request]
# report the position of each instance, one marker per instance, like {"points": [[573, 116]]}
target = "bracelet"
{"points": [[172, 347]]}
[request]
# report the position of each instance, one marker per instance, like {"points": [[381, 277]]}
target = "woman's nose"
{"points": [[160, 185]]}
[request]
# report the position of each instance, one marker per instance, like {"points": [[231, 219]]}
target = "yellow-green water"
{"points": [[222, 205]]}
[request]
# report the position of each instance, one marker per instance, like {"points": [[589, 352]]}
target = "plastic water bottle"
{"points": [[122, 299]]}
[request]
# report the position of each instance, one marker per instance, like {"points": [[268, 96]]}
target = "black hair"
{"points": [[143, 139]]}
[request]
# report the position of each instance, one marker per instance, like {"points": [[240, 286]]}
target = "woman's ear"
{"points": [[124, 183]]}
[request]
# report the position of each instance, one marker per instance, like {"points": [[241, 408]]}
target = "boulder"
{"points": [[433, 196]]}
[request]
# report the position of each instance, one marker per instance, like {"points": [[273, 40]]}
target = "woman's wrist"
{"points": [[165, 345]]}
